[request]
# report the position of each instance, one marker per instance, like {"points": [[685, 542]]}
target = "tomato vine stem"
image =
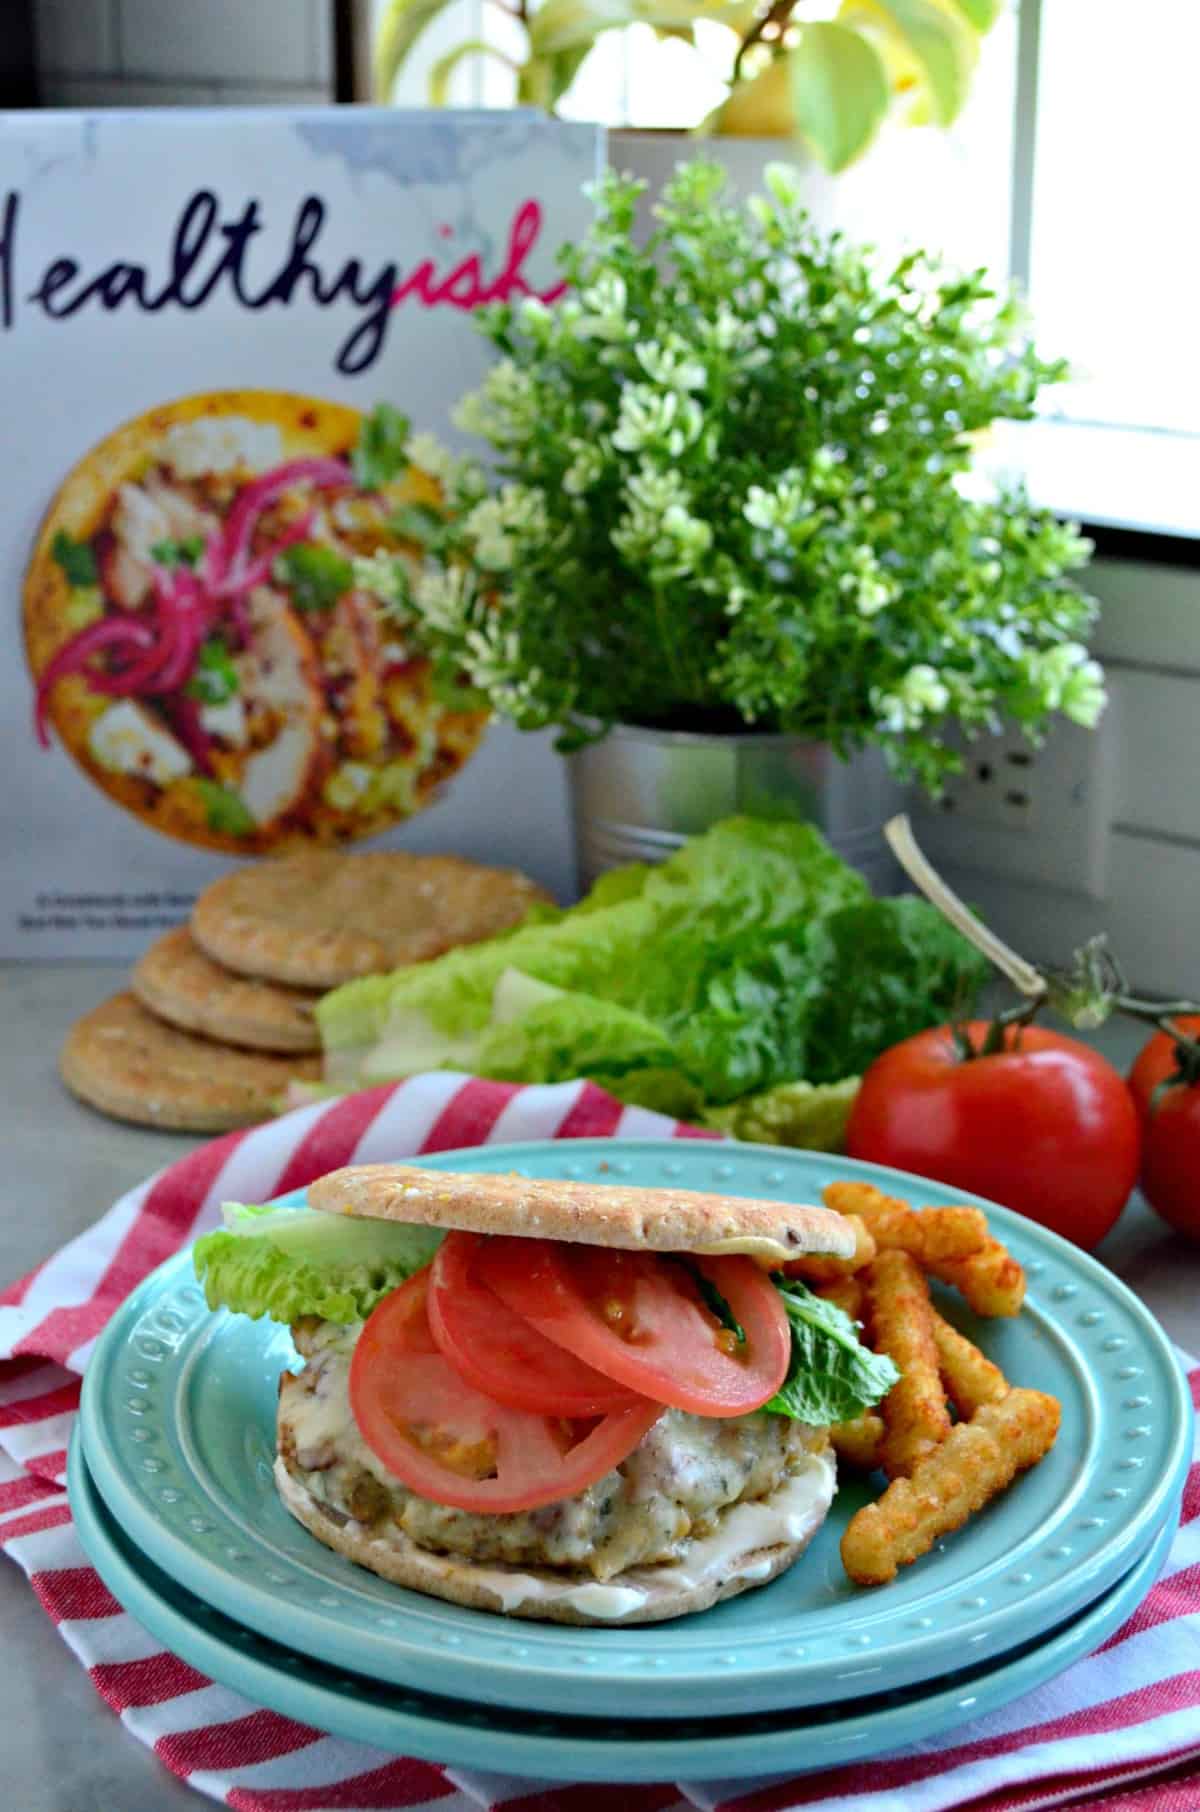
{"points": [[1085, 993]]}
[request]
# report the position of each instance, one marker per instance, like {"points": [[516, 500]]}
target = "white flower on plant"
{"points": [[496, 666], [587, 464], [523, 507], [536, 319], [603, 310], [659, 419], [658, 526], [493, 548], [516, 508], [920, 694], [774, 510], [503, 408], [656, 489], [383, 576], [1084, 696], [671, 363], [868, 584], [427, 451], [1066, 679], [726, 331], [827, 471], [442, 597]]}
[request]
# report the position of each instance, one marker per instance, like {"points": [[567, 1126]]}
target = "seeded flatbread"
{"points": [[643, 1594], [319, 918], [176, 980], [124, 1061], [593, 1214]]}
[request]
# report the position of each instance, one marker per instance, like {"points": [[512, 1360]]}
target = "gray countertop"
{"points": [[61, 1749]]}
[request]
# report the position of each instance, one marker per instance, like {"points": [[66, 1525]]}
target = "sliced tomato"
{"points": [[639, 1317], [501, 1353], [448, 1442]]}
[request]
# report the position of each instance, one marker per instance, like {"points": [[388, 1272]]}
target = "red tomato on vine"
{"points": [[1041, 1122], [1165, 1085]]}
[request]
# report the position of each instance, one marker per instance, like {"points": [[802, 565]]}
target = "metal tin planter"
{"points": [[638, 794]]}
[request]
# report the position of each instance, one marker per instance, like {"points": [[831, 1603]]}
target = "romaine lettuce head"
{"points": [[289, 1262], [662, 943], [752, 958]]}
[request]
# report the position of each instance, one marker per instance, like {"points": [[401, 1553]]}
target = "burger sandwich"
{"points": [[586, 1403]]}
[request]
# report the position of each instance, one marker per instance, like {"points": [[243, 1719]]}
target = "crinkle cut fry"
{"points": [[814, 1268], [898, 1316], [929, 1234], [971, 1380], [977, 1460], [859, 1442], [847, 1293], [990, 1280]]}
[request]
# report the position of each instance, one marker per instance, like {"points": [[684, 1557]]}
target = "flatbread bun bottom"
{"points": [[647, 1594], [176, 980], [596, 1214], [134, 1066]]}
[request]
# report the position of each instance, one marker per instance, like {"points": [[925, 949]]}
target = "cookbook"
{"points": [[231, 344]]}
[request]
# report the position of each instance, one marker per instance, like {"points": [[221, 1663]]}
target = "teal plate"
{"points": [[178, 1428], [573, 1748]]}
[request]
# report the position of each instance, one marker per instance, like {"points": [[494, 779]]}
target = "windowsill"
{"points": [[1119, 478]]}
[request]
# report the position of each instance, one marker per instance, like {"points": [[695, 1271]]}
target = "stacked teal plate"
{"points": [[178, 1437], [561, 1747]]}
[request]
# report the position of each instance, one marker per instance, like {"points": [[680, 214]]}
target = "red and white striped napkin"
{"points": [[1120, 1729]]}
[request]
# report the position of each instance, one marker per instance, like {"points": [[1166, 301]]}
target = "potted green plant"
{"points": [[791, 72], [729, 546]]}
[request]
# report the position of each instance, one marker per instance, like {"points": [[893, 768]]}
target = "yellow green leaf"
{"points": [[400, 27], [671, 15], [981, 14], [566, 24], [543, 81], [840, 92], [443, 69], [943, 46]]}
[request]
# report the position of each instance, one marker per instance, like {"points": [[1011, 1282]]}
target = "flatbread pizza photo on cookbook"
{"points": [[198, 643]]}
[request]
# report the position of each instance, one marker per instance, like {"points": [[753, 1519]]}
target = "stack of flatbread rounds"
{"points": [[219, 1020]]}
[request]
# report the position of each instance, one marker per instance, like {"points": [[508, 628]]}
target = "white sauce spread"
{"points": [[792, 1514]]}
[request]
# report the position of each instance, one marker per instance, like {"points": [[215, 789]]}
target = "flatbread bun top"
{"points": [[592, 1214]]}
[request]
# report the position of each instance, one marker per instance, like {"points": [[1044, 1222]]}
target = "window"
{"points": [[1066, 169], [1113, 253]]}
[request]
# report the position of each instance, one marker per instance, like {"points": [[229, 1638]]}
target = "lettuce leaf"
{"points": [[832, 1377], [751, 958], [690, 946], [806, 1115], [874, 966], [289, 1262]]}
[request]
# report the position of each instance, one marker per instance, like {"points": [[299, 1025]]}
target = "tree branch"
{"points": [[777, 14]]}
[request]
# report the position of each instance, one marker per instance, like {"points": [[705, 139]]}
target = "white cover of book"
{"points": [[199, 311]]}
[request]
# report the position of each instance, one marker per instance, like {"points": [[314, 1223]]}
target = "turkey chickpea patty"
{"points": [[671, 1491]]}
